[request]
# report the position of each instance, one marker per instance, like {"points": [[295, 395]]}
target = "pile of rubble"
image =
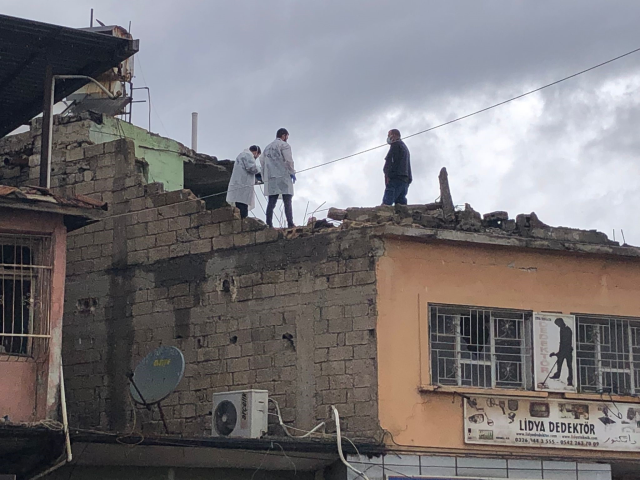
{"points": [[443, 215]]}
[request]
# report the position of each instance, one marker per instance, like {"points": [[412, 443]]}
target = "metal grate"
{"points": [[480, 347], [608, 354], [25, 292]]}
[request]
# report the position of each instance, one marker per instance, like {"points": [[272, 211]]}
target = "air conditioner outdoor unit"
{"points": [[240, 414]]}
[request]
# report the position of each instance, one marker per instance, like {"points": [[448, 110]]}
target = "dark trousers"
{"points": [[395, 192], [561, 359], [288, 209], [244, 209]]}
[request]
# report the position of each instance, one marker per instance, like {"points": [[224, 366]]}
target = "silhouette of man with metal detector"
{"points": [[565, 351]]}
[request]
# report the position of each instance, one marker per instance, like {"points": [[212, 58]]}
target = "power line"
{"points": [[482, 110], [495, 105]]}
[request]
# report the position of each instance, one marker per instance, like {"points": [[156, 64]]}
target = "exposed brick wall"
{"points": [[248, 307], [20, 154]]}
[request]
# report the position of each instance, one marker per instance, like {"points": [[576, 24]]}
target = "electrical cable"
{"points": [[336, 417], [495, 105], [132, 431], [481, 110], [286, 429]]}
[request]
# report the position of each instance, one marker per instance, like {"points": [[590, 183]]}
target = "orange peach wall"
{"points": [[17, 389], [411, 275], [29, 389]]}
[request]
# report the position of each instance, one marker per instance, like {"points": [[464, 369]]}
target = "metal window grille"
{"points": [[608, 355], [25, 292], [479, 347]]}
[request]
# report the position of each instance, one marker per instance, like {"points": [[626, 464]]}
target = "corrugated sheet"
{"points": [[37, 194]]}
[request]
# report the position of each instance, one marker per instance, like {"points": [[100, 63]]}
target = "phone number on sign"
{"points": [[551, 441]]}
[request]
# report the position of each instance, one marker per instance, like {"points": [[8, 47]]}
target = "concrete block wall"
{"points": [[248, 307], [20, 154]]}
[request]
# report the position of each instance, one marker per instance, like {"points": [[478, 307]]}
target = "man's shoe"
{"points": [[555, 377]]}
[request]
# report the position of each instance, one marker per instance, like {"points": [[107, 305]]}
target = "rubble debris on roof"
{"points": [[442, 215], [39, 194]]}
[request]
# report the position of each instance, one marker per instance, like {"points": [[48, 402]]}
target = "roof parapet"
{"points": [[442, 215]]}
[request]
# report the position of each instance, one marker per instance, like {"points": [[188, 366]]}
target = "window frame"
{"points": [[30, 273], [487, 359], [633, 370]]}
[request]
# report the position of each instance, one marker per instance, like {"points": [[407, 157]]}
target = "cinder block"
{"points": [[364, 278], [225, 214], [222, 243], [265, 290], [340, 280], [159, 253], [209, 231], [179, 250], [200, 246], [244, 239], [166, 238], [268, 235]]}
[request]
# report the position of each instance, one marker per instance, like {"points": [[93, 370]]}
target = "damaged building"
{"points": [[433, 331], [401, 317]]}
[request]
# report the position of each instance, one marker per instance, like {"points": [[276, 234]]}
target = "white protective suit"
{"points": [[243, 178], [277, 168]]}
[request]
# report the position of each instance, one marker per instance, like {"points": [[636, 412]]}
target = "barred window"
{"points": [[608, 355], [479, 347], [25, 289]]}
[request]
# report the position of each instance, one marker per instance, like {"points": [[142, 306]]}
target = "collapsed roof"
{"points": [[525, 230]]}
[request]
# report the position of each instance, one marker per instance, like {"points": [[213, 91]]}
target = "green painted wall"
{"points": [[162, 154]]}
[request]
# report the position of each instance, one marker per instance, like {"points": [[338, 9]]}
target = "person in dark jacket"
{"points": [[565, 351], [397, 170]]}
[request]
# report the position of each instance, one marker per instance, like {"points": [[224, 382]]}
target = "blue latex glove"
{"points": [[293, 178], [258, 178]]}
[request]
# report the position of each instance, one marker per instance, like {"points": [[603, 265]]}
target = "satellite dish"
{"points": [[157, 375], [225, 418]]}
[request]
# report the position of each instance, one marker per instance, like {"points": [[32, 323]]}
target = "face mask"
{"points": [[389, 140]]}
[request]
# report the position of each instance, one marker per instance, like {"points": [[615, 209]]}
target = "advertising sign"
{"points": [[552, 423], [554, 354]]}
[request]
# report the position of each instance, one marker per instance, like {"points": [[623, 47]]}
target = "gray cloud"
{"points": [[340, 74]]}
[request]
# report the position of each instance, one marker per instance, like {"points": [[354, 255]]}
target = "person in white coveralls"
{"points": [[278, 175], [243, 178]]}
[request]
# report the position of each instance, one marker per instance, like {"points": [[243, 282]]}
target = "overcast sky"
{"points": [[339, 74]]}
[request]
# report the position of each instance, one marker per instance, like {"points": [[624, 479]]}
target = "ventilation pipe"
{"points": [[194, 131]]}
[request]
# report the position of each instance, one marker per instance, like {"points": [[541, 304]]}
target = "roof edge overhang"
{"points": [[31, 45], [74, 217], [438, 234], [269, 453]]}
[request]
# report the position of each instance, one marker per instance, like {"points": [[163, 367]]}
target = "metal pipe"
{"points": [[47, 119], [194, 131], [65, 420], [149, 97], [84, 77], [47, 128]]}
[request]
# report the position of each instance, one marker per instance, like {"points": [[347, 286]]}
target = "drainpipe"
{"points": [[68, 456], [47, 128]]}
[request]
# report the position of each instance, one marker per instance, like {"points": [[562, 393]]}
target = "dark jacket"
{"points": [[566, 342], [397, 165]]}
